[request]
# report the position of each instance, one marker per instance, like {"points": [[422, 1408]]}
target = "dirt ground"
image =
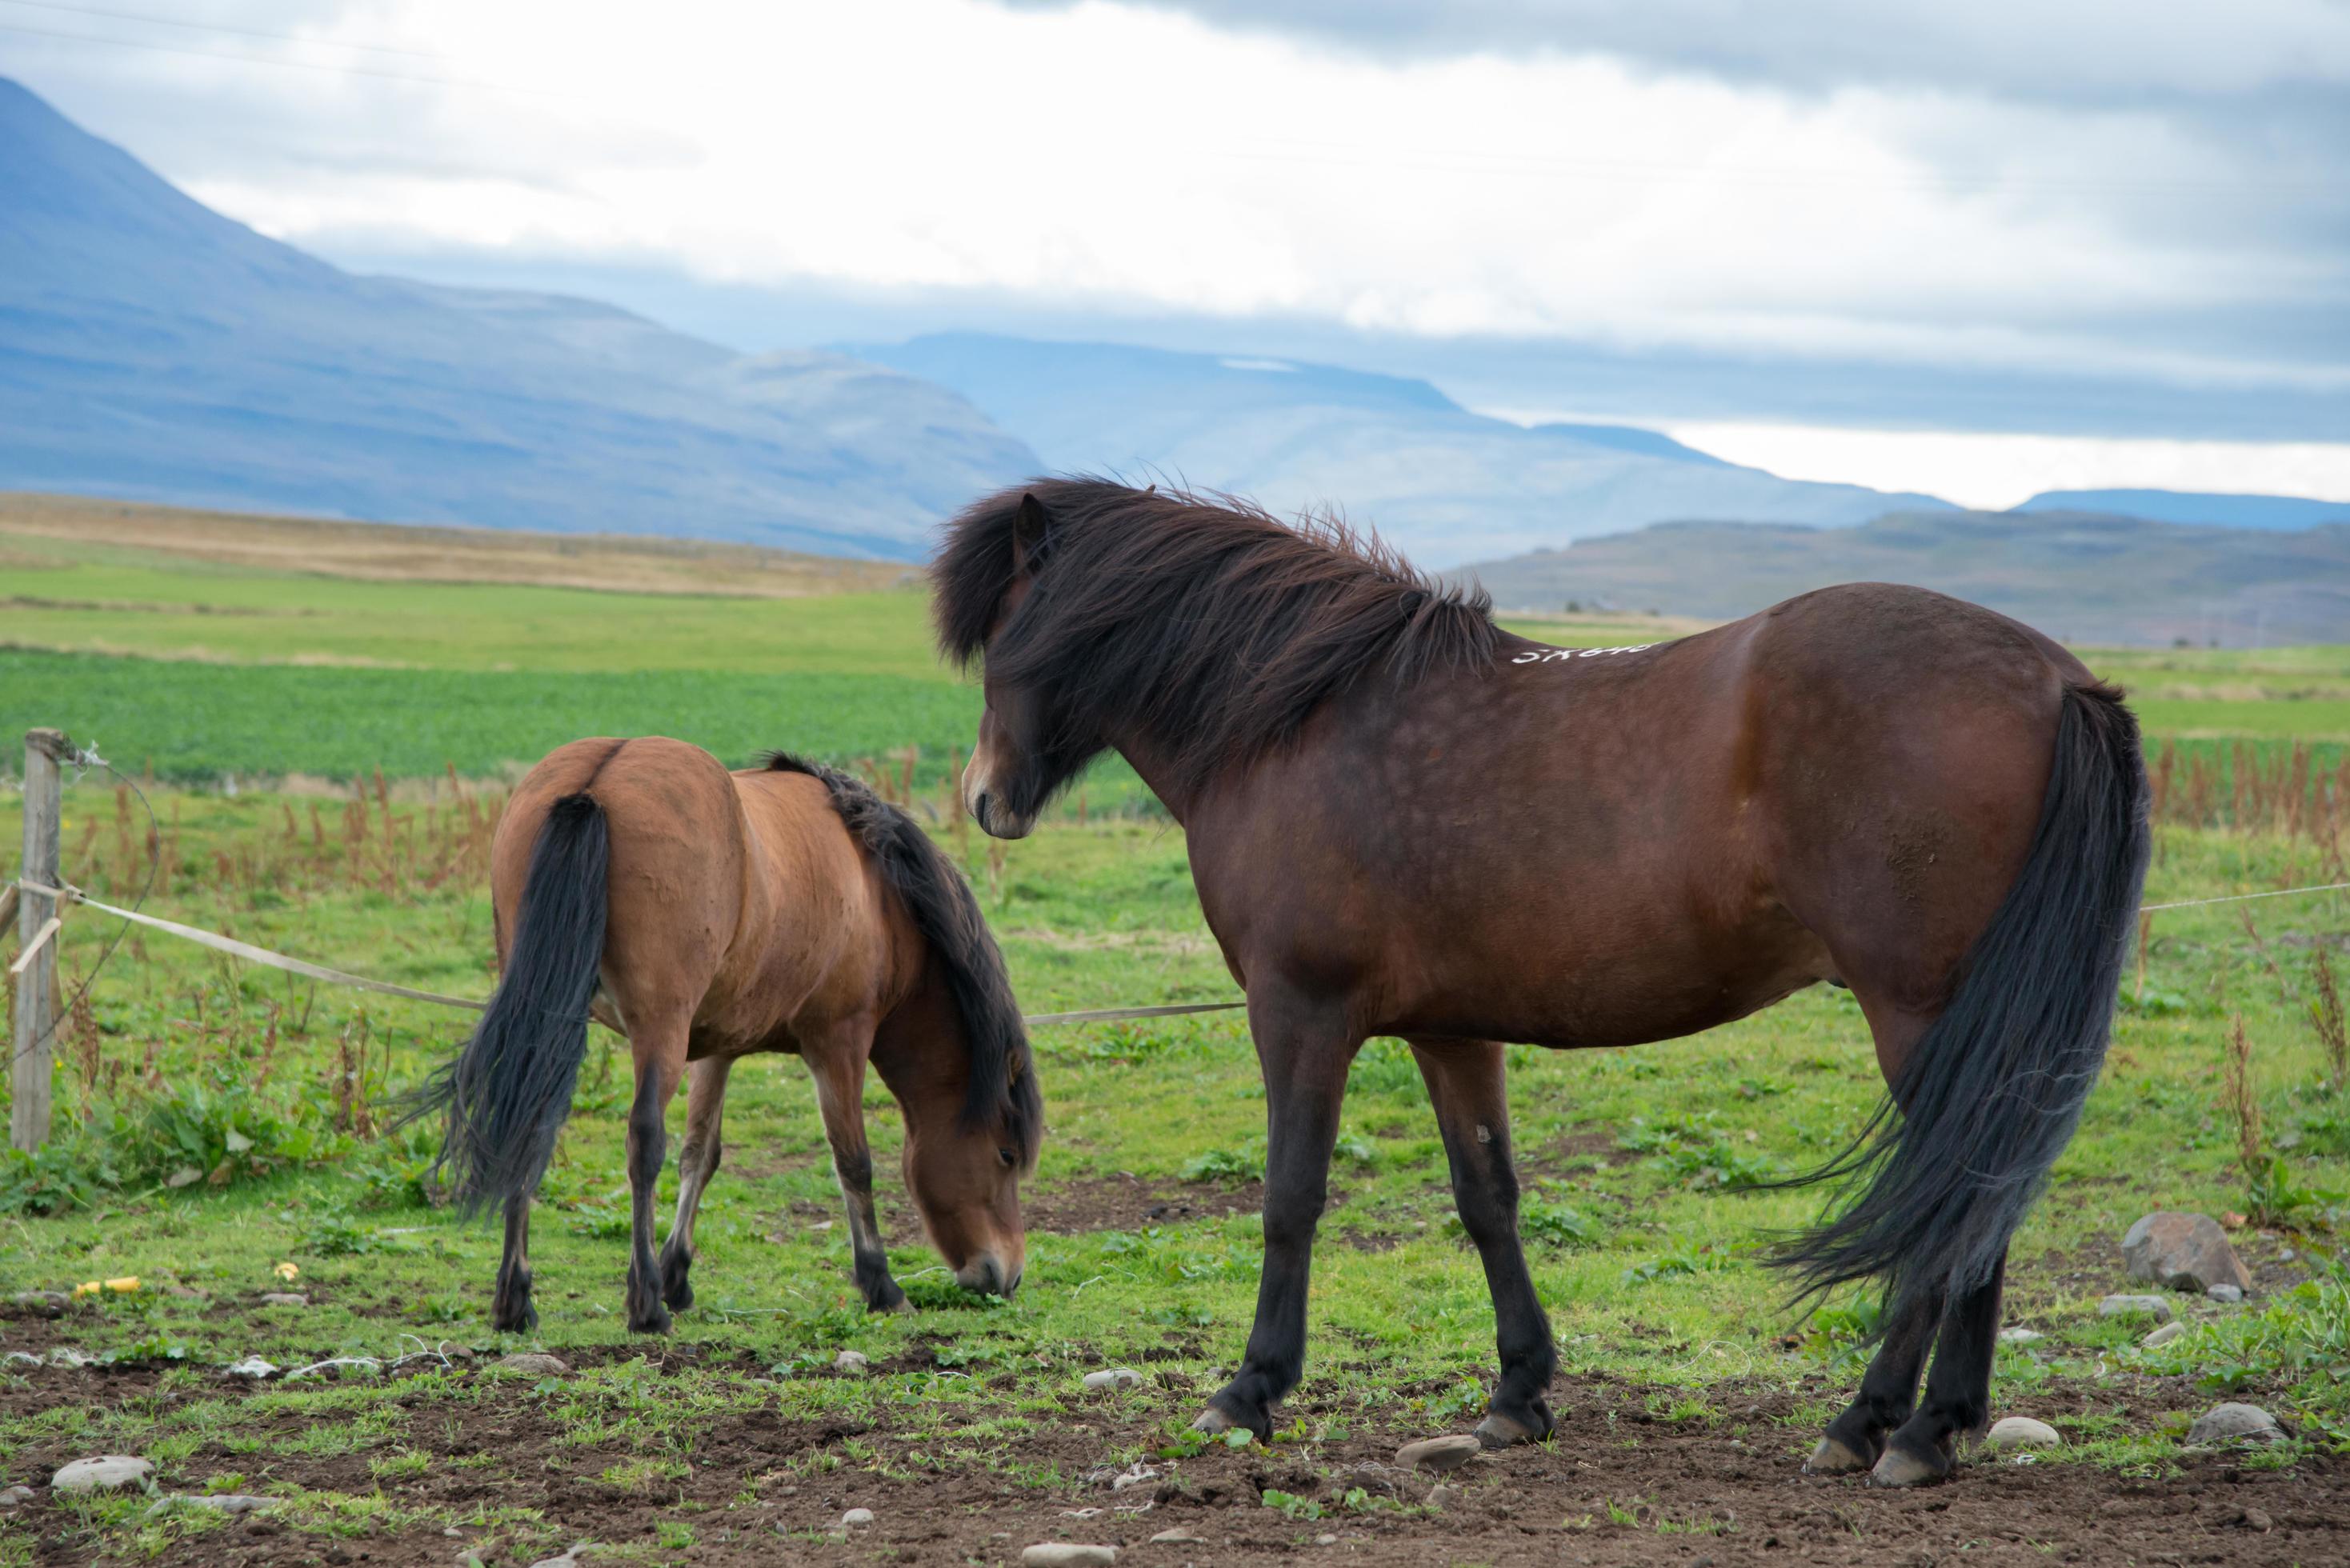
{"points": [[1619, 1486]]}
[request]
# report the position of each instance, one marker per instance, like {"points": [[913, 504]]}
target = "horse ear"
{"points": [[1028, 526]]}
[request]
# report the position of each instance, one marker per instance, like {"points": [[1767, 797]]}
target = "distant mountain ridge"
{"points": [[1444, 483], [2082, 577], [151, 348], [2195, 506]]}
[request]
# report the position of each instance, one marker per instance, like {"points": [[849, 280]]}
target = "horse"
{"points": [[1405, 821], [709, 915]]}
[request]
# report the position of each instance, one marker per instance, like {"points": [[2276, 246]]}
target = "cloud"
{"points": [[2060, 189]]}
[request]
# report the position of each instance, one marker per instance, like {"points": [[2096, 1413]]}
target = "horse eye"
{"points": [[1009, 1157]]}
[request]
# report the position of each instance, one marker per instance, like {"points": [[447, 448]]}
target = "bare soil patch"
{"points": [[1619, 1486], [1124, 1202]]}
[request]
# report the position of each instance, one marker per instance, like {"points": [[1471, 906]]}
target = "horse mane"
{"points": [[1206, 621], [1003, 1071]]}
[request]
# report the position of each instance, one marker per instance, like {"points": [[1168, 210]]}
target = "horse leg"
{"points": [[1957, 1392], [697, 1162], [1466, 1084], [838, 1065], [1304, 1052], [661, 1062], [1888, 1390], [510, 1309]]}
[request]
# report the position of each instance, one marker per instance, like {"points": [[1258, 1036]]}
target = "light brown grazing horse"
{"points": [[709, 915], [1405, 821]]}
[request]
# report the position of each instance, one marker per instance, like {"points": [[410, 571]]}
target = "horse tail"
{"points": [[506, 1094], [1993, 1088]]}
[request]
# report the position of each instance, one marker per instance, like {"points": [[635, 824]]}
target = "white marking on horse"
{"points": [[1552, 655]]}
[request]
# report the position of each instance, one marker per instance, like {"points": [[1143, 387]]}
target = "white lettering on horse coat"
{"points": [[1551, 655]]}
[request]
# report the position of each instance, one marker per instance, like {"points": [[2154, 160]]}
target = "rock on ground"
{"points": [[570, 1558], [2021, 1432], [47, 1304], [2154, 1307], [2163, 1335], [856, 1518], [1114, 1378], [106, 1473], [851, 1361], [534, 1362], [1440, 1455], [1068, 1555], [2233, 1421], [16, 1496], [284, 1298], [2020, 1336], [2182, 1251], [218, 1502], [2224, 1293], [252, 1366]]}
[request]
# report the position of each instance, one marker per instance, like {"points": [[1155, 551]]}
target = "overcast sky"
{"points": [[2123, 229]]}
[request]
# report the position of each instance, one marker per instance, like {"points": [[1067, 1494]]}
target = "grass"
{"points": [[219, 1126], [1648, 1258]]}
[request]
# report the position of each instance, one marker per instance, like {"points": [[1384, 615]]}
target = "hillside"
{"points": [[151, 348], [2082, 577], [1447, 484], [2194, 506]]}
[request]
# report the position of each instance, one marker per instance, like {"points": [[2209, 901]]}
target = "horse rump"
{"points": [[1993, 1088]]}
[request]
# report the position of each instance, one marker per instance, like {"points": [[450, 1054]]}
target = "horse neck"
{"points": [[919, 1047], [1146, 756]]}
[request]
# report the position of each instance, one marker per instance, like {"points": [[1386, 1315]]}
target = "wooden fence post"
{"points": [[37, 987]]}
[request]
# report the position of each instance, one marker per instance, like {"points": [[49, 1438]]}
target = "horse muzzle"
{"points": [[985, 1274]]}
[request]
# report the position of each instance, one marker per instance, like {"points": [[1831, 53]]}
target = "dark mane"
{"points": [[1205, 621], [1002, 1072]]}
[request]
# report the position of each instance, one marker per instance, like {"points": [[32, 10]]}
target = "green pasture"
{"points": [[219, 1125], [217, 1122]]}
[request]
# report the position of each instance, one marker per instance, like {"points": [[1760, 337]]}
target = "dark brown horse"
{"points": [[1405, 821], [709, 915]]}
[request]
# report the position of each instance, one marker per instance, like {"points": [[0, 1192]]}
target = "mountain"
{"points": [[2189, 506], [151, 348], [1447, 484], [2082, 577]]}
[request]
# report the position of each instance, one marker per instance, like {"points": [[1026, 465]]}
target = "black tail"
{"points": [[1991, 1094], [509, 1090]]}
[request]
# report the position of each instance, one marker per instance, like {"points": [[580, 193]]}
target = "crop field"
{"points": [[225, 1134]]}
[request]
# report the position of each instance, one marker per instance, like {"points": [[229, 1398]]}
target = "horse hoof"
{"points": [[1215, 1423], [1832, 1458], [1500, 1431], [1898, 1469], [655, 1321]]}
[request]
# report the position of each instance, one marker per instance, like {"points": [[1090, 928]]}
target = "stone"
{"points": [[2163, 1335], [2016, 1432], [853, 1362], [533, 1364], [1177, 1536], [1067, 1555], [1325, 1540], [251, 1368], [2182, 1251], [2235, 1422], [44, 1304], [2021, 1337], [570, 1558], [284, 1298], [857, 1518], [230, 1503], [2154, 1307], [2224, 1293], [16, 1496], [1114, 1378], [106, 1473], [1442, 1496], [1438, 1456]]}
